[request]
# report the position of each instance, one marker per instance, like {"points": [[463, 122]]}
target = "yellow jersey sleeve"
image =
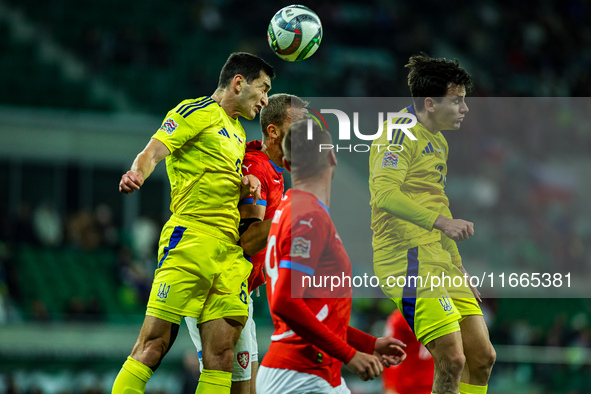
{"points": [[178, 128], [389, 170]]}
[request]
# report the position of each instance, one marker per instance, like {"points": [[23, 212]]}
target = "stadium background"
{"points": [[83, 85]]}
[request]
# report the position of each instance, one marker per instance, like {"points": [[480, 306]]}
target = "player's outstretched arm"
{"points": [[142, 166], [456, 229], [367, 366], [290, 307]]}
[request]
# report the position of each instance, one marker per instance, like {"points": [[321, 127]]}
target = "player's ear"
{"points": [[332, 157], [429, 104], [238, 82], [272, 131]]}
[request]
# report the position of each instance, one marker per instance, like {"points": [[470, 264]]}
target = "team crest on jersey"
{"points": [[243, 359], [239, 139], [169, 126], [390, 160], [163, 291], [445, 304], [300, 247]]}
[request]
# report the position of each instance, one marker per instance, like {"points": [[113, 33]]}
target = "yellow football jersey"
{"points": [[407, 189], [205, 165]]}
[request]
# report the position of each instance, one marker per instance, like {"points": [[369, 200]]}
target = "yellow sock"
{"points": [[466, 388], [132, 378], [214, 382]]}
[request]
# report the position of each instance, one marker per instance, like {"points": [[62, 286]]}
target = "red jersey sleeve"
{"points": [[361, 341], [296, 314], [299, 256]]}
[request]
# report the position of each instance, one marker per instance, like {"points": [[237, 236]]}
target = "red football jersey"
{"points": [[271, 177], [311, 325], [415, 374]]}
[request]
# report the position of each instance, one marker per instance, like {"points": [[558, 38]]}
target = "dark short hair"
{"points": [[430, 77], [245, 64], [277, 110], [304, 155]]}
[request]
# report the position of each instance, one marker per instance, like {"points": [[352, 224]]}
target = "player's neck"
{"points": [[225, 101], [273, 154], [427, 122], [319, 186]]}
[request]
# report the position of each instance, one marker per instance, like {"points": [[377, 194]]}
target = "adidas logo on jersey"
{"points": [[428, 149], [224, 132]]}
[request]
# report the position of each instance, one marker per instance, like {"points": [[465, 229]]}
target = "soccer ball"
{"points": [[294, 33]]}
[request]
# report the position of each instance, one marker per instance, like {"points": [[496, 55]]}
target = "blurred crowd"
{"points": [[518, 168], [512, 49], [87, 233]]}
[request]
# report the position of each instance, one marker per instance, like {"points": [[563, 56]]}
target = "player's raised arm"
{"points": [[143, 166]]}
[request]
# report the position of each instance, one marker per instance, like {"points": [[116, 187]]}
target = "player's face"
{"points": [[294, 114], [451, 110], [253, 97]]}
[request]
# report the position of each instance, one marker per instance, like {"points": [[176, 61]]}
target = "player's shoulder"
{"points": [[194, 109], [308, 210], [406, 128], [398, 131], [255, 163]]}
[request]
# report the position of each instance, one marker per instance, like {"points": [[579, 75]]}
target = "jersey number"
{"points": [[271, 265], [243, 294], [442, 178], [238, 162]]}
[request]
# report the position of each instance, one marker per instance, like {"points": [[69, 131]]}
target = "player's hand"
{"points": [[130, 182], [475, 291], [367, 366], [390, 351], [251, 186], [456, 229]]}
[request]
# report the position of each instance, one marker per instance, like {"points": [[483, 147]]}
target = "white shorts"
{"points": [[246, 350], [286, 381]]}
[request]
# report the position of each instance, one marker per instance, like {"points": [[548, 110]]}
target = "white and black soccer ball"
{"points": [[294, 33]]}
